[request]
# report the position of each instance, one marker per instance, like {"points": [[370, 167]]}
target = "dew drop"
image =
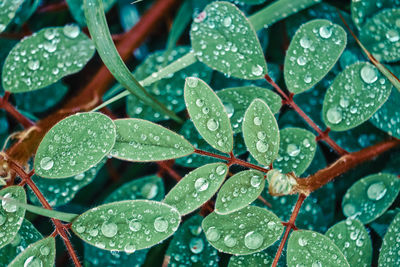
{"points": [[376, 191], [213, 234], [316, 264], [392, 35], [44, 250], [201, 184], [192, 82], [257, 70], [349, 209], [325, 31], [261, 135], [109, 229], [369, 74], [134, 225], [229, 109], [199, 102], [256, 180], [301, 61], [220, 170], [160, 224], [261, 146], [46, 163], [344, 102], [129, 248], [196, 245], [257, 121], [253, 240], [49, 34], [230, 241], [212, 125], [33, 261], [71, 30], [33, 64], [302, 242], [293, 150], [227, 21], [305, 42], [7, 205], [334, 115]]}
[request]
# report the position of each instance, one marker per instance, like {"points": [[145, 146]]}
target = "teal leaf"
{"points": [[140, 140], [223, 38], [361, 11], [189, 246], [239, 191], [40, 253], [387, 118], [208, 114], [296, 150], [242, 232], [312, 53], [389, 255], [237, 99], [250, 2], [258, 259], [381, 35], [310, 248], [197, 187], [260, 132], [127, 225], [26, 235], [169, 90], [59, 192], [59, 51], [381, 224], [74, 145], [370, 197], [7, 12], [11, 216], [77, 12], [354, 96], [351, 237]]}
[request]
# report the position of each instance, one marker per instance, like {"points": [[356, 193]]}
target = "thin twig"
{"points": [[9, 108]]}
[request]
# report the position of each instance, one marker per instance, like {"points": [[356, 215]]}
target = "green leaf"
{"points": [[7, 12], [74, 145], [140, 140], [197, 187], [189, 246], [380, 35], [223, 38], [239, 191], [370, 197], [354, 96], [41, 253], [249, 2], [310, 248], [387, 118], [260, 132], [11, 216], [351, 237], [26, 235], [390, 251], [237, 99], [148, 187], [242, 232], [312, 53], [361, 11], [168, 91], [59, 192], [296, 150], [381, 225], [258, 259], [77, 12], [98, 28], [127, 225], [208, 114], [58, 52]]}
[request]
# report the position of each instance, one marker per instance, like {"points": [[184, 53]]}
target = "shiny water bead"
{"points": [[245, 231], [109, 229], [169, 90], [197, 187], [222, 37], [8, 9], [53, 55], [381, 35], [390, 251], [354, 96], [160, 224], [255, 259], [313, 51], [370, 197], [33, 255]]}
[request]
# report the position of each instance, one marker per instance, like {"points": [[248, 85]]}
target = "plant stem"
{"points": [[289, 226], [322, 135], [8, 107]]}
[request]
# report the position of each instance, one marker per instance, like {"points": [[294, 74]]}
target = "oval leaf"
{"points": [[224, 39], [390, 251], [140, 140], [189, 247], [260, 132], [310, 248], [239, 191], [258, 259], [74, 145], [127, 225], [381, 35], [237, 99], [11, 216], [371, 196], [7, 12], [242, 232], [59, 51], [208, 114], [351, 237], [197, 187], [355, 94], [41, 253], [296, 150], [313, 51]]}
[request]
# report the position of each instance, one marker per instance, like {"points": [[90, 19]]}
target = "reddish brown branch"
{"points": [[289, 226], [322, 135], [10, 109], [53, 7], [166, 167]]}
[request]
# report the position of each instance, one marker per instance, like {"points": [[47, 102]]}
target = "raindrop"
{"points": [[302, 242], [220, 170], [257, 121], [109, 229], [44, 250], [301, 61], [307, 78], [369, 74], [230, 241], [305, 42], [213, 234], [227, 21], [392, 35], [129, 248], [376, 191], [134, 225], [334, 115], [257, 70], [199, 102], [306, 143], [196, 245], [71, 30], [229, 109], [160, 224], [316, 264], [33, 261], [261, 146], [255, 180], [349, 209], [212, 125], [201, 184], [192, 82], [46, 163], [33, 64], [261, 135], [253, 240], [344, 102], [7, 206], [293, 150], [49, 34], [325, 31]]}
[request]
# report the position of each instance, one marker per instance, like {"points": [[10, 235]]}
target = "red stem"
{"points": [[322, 135], [289, 226], [24, 121], [53, 7], [165, 167]]}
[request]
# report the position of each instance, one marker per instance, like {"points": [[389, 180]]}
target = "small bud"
{"points": [[279, 183]]}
